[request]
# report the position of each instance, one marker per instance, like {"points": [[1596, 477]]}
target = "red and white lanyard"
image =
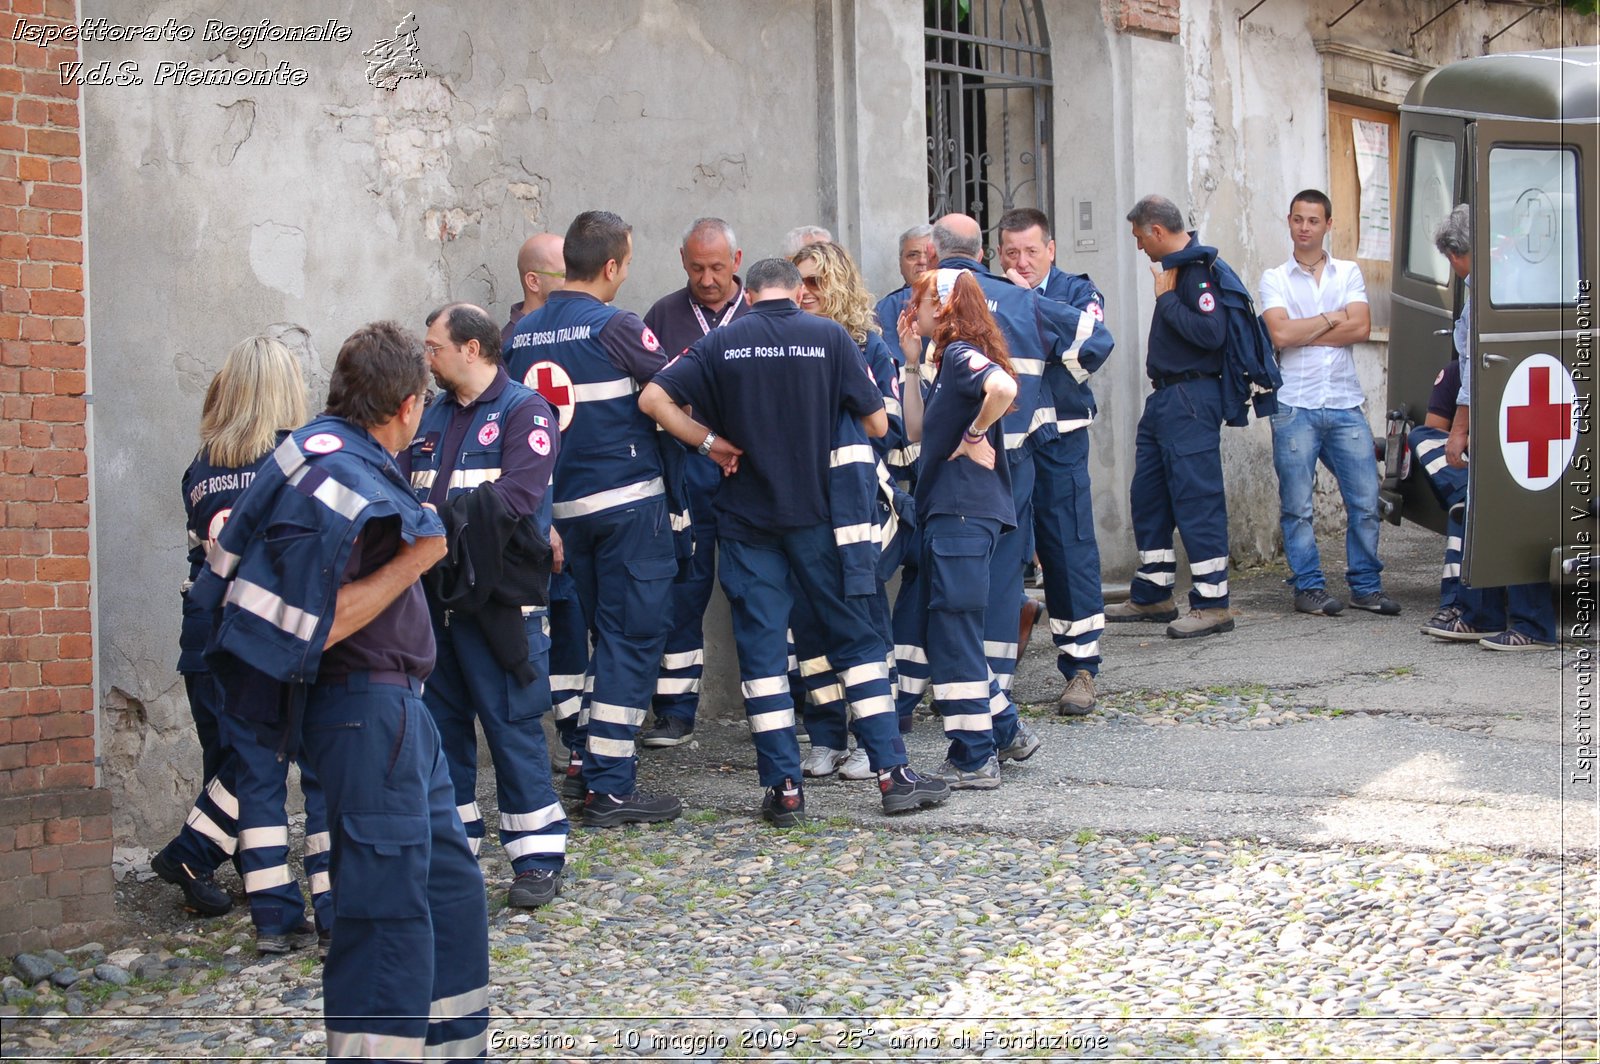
{"points": [[727, 315]]}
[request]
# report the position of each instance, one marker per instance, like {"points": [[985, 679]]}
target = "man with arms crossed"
{"points": [[1315, 307], [1063, 515]]}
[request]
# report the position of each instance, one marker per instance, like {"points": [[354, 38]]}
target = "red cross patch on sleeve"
{"points": [[1208, 302]]}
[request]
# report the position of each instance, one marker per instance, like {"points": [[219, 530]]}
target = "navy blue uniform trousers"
{"points": [[683, 663], [622, 563], [1526, 608], [569, 658], [1069, 554], [408, 972], [469, 687], [956, 593], [756, 578], [241, 813], [1177, 480]]}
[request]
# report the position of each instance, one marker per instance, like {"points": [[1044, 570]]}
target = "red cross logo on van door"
{"points": [[1537, 430], [552, 382]]}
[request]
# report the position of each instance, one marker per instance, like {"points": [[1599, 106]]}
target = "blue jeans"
{"points": [[1341, 440]]}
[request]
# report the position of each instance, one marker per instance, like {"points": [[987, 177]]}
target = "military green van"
{"points": [[1517, 137]]}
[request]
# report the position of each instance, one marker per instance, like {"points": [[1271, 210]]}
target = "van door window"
{"points": [[1432, 184], [1533, 225]]}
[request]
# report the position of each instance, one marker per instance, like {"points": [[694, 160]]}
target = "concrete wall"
{"points": [[217, 212], [1115, 142]]}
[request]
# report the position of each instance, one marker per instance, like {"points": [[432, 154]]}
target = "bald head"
{"points": [[958, 236], [542, 269]]}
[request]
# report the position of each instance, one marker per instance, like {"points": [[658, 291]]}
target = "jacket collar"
{"points": [[1193, 252]]}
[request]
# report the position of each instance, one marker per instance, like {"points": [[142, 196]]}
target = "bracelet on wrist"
{"points": [[972, 437]]}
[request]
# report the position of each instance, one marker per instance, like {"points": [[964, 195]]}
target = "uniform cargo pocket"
{"points": [[383, 867], [1196, 468], [283, 538], [960, 576], [533, 701], [644, 612]]}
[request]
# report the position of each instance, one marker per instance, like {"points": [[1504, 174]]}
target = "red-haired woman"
{"points": [[963, 502]]}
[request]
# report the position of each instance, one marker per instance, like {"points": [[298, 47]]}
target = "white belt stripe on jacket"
{"points": [[605, 500], [618, 388]]}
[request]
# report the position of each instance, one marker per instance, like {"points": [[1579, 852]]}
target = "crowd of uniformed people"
{"points": [[368, 589]]}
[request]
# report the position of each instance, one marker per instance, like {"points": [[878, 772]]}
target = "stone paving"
{"points": [[719, 935], [1075, 914]]}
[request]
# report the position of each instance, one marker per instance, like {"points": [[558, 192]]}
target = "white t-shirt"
{"points": [[1316, 377]]}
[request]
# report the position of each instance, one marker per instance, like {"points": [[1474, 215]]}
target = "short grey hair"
{"points": [[773, 273], [1157, 210], [953, 245], [1454, 235], [801, 235], [916, 232], [706, 226]]}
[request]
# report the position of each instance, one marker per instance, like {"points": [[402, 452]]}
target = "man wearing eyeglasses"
{"points": [[488, 433]]}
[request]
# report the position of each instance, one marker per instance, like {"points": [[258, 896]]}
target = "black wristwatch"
{"points": [[705, 444]]}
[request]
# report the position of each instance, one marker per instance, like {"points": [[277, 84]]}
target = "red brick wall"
{"points": [[1153, 18], [55, 823]]}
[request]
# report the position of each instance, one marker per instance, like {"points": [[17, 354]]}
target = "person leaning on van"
{"points": [[1529, 613]]}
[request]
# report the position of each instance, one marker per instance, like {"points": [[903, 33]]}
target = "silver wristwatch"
{"points": [[705, 444]]}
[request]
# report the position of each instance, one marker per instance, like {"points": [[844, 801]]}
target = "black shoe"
{"points": [[200, 893], [784, 805], [300, 936], [1316, 600], [573, 789], [1377, 602], [669, 731], [533, 888], [324, 943], [903, 790], [615, 810]]}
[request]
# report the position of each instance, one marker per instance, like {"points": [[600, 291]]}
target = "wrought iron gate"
{"points": [[988, 99]]}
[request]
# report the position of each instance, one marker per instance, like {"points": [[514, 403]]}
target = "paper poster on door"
{"points": [[1372, 170]]}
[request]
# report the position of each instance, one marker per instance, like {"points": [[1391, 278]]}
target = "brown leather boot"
{"points": [[1032, 610]]}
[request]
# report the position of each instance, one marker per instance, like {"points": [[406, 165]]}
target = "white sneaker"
{"points": [[856, 767], [823, 761]]}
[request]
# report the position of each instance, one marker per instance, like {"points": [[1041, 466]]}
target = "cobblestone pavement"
{"points": [[718, 938], [1234, 858]]}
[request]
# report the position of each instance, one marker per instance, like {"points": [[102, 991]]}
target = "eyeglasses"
{"points": [[813, 284], [549, 273], [432, 348]]}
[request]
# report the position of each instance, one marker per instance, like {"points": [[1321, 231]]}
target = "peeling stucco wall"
{"points": [[216, 212]]}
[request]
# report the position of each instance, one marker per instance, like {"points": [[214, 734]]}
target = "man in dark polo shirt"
{"points": [[713, 297], [777, 382]]}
